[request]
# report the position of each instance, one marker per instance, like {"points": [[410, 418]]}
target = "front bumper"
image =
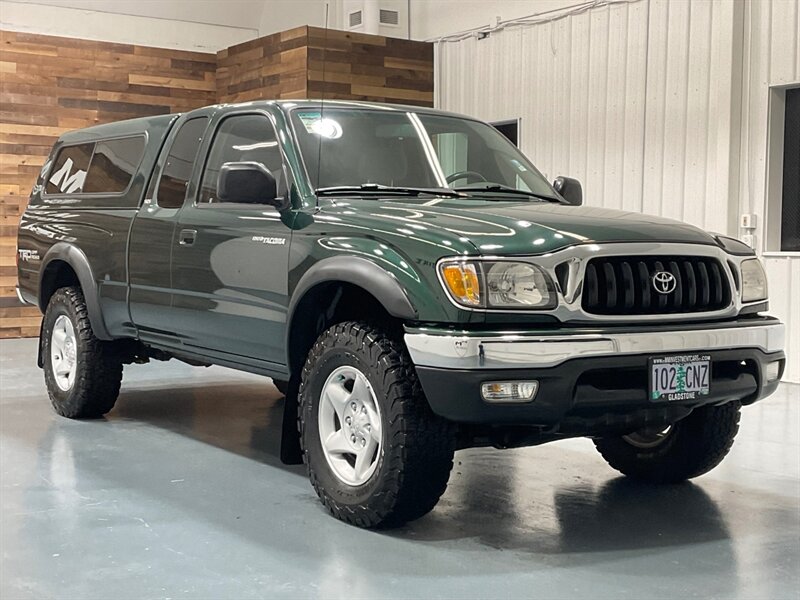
{"points": [[589, 379]]}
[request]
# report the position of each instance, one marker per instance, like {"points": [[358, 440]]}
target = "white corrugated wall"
{"points": [[771, 57], [643, 102]]}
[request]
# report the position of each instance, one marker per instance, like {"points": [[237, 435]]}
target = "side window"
{"points": [[69, 171], [178, 169], [242, 138], [113, 165]]}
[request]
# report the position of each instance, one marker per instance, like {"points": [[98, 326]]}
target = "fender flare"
{"points": [[361, 272], [76, 259]]}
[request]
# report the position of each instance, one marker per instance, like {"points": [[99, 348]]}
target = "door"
{"points": [[230, 259], [153, 230]]}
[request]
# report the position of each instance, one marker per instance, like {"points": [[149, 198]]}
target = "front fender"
{"points": [[361, 272], [76, 259]]}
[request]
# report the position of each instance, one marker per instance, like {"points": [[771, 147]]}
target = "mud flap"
{"points": [[39, 357], [291, 453]]}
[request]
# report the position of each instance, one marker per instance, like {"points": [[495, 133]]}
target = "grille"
{"points": [[624, 285]]}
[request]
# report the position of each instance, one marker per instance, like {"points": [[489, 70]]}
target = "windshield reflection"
{"points": [[376, 149]]}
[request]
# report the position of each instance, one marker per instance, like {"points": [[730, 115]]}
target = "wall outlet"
{"points": [[749, 239], [748, 221]]}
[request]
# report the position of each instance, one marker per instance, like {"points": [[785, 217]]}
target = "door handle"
{"points": [[186, 237]]}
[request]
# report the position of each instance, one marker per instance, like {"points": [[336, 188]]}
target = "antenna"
{"points": [[322, 95]]}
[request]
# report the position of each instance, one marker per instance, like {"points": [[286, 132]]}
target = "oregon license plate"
{"points": [[674, 378]]}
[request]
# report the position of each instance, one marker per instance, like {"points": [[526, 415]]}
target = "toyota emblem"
{"points": [[664, 282]]}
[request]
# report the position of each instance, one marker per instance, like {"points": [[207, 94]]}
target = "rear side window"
{"points": [[113, 165], [180, 160], [69, 172]]}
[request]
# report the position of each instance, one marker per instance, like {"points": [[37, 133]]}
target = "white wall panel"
{"points": [[107, 26], [658, 106], [435, 18], [784, 288], [229, 13], [579, 116], [618, 96], [771, 58]]}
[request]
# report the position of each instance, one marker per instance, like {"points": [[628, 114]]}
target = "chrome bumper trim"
{"points": [[450, 350]]}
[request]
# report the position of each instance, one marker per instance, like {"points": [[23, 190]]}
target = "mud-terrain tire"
{"points": [[692, 446], [92, 386], [414, 456]]}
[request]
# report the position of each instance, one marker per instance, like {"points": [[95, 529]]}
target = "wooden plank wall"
{"points": [[308, 62], [372, 68], [271, 67], [49, 85]]}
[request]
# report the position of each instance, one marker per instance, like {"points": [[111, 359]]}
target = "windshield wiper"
{"points": [[376, 188], [505, 189]]}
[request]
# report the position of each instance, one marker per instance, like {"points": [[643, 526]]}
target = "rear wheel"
{"points": [[376, 454], [684, 450], [82, 373]]}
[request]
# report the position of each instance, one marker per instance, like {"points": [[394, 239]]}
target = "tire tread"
{"points": [[422, 444], [97, 385], [701, 442]]}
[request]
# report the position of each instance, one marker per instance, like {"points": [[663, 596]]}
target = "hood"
{"points": [[509, 227]]}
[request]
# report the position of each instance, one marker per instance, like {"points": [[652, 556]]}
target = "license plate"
{"points": [[675, 378]]}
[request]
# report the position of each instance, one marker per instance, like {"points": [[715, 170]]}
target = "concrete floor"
{"points": [[179, 494]]}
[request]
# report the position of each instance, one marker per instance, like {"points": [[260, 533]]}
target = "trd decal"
{"points": [[28, 255]]}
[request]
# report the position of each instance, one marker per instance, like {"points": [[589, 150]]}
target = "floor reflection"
{"points": [[180, 492], [611, 513], [626, 515], [488, 500], [244, 418]]}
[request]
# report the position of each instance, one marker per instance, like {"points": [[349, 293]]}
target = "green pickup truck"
{"points": [[408, 279]]}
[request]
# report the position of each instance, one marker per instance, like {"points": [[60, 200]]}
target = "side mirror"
{"points": [[248, 183], [570, 189]]}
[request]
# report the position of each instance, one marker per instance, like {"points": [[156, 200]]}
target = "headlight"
{"points": [[754, 281], [501, 284]]}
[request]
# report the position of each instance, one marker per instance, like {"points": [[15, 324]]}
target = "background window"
{"points": [[510, 129], [243, 138], [69, 172], [790, 205], [113, 165], [178, 169]]}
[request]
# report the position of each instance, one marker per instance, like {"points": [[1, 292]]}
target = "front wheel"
{"points": [[82, 373], [376, 454], [686, 449]]}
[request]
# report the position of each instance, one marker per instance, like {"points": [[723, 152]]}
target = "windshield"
{"points": [[357, 146]]}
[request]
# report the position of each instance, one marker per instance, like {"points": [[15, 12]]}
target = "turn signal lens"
{"points": [[463, 283], [509, 391]]}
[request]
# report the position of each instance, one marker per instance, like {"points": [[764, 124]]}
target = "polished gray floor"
{"points": [[179, 494]]}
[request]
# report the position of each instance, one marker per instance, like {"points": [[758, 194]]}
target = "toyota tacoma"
{"points": [[409, 280]]}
